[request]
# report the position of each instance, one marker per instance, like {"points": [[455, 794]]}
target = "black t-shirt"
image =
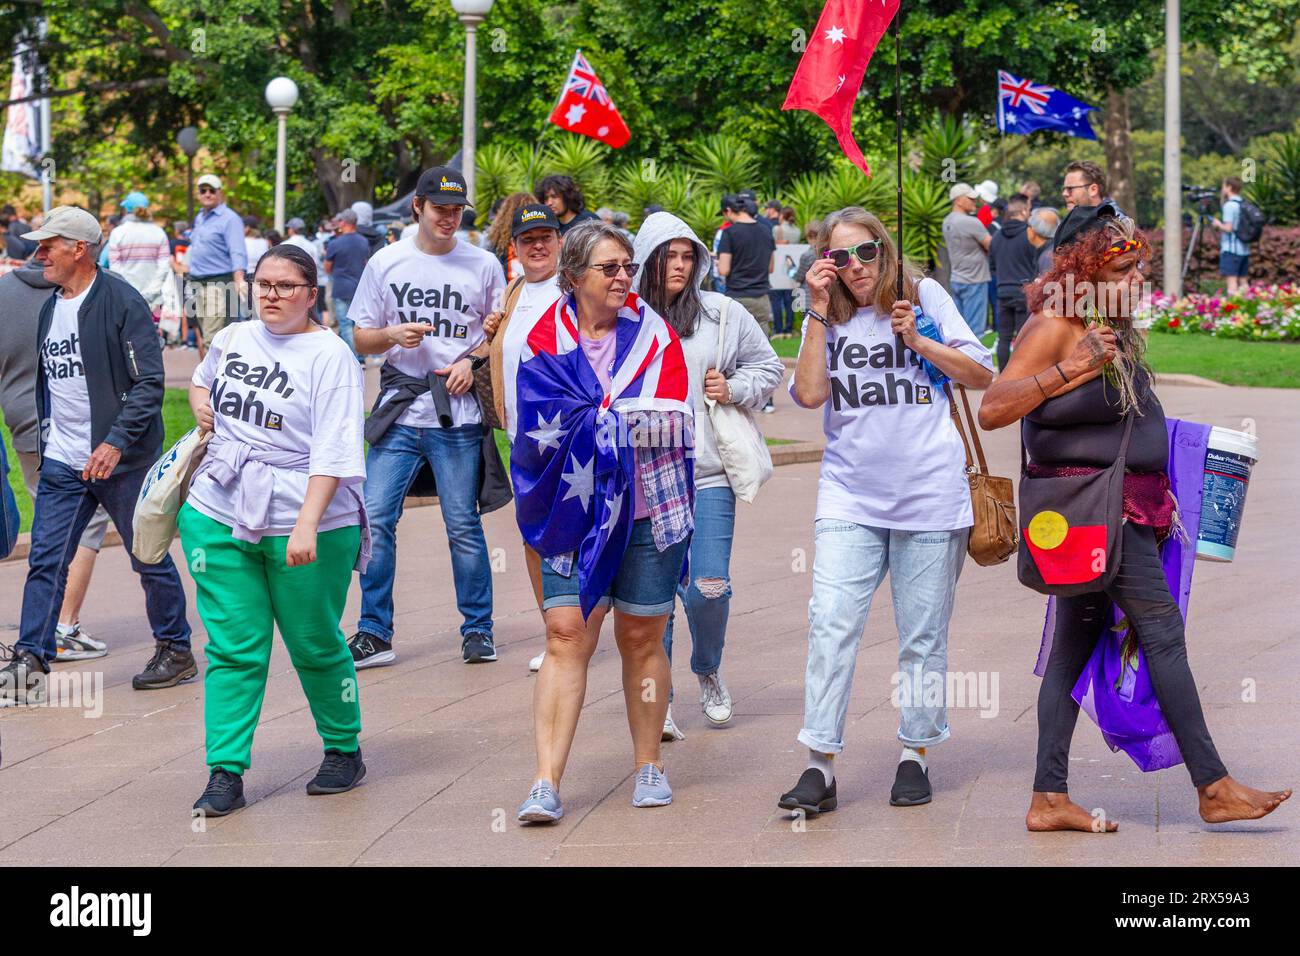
{"points": [[751, 246], [585, 216]]}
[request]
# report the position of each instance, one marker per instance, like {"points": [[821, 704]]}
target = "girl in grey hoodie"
{"points": [[673, 264]]}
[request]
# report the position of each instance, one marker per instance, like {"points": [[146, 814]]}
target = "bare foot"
{"points": [[1226, 800], [1055, 811]]}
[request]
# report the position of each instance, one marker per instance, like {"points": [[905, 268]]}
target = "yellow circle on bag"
{"points": [[1047, 529]]}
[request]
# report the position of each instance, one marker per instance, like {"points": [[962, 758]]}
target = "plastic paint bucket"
{"points": [[1229, 457]]}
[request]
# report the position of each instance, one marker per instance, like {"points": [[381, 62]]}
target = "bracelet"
{"points": [[812, 314], [1063, 375], [1040, 386]]}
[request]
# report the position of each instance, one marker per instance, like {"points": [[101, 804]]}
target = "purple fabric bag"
{"points": [[1115, 687]]}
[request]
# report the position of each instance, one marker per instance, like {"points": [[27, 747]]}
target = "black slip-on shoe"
{"points": [[477, 648], [911, 785], [224, 794], [338, 773], [810, 794], [170, 665]]}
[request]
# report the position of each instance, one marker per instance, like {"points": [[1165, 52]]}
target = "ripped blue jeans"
{"points": [[707, 597]]}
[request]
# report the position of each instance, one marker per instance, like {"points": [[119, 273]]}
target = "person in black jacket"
{"points": [[99, 397], [1014, 261]]}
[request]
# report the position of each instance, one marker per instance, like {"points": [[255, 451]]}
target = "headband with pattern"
{"points": [[1120, 247]]}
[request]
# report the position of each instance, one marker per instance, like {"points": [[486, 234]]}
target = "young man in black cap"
{"points": [[421, 304]]}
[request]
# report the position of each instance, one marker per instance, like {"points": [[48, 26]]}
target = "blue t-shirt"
{"points": [[1231, 216], [349, 253]]}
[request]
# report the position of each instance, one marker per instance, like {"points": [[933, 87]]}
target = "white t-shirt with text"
{"points": [[299, 393], [451, 293], [893, 457], [68, 439], [534, 299]]}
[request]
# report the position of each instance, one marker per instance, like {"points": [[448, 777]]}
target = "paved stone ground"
{"points": [[450, 754]]}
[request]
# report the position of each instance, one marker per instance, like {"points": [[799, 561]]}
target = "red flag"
{"points": [[585, 106], [829, 75]]}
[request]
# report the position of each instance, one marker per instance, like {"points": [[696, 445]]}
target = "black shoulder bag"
{"points": [[1070, 532]]}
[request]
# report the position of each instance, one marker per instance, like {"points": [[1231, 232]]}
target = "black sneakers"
{"points": [[23, 680], [810, 794], [170, 664], [911, 785], [224, 793], [477, 648], [370, 651], [338, 773]]}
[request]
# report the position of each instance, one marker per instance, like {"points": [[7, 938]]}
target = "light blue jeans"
{"points": [[851, 561], [706, 614], [972, 299]]}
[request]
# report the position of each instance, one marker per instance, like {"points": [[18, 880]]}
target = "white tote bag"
{"points": [[164, 490], [740, 442]]}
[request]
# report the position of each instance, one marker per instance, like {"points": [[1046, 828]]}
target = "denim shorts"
{"points": [[646, 583], [1232, 264]]}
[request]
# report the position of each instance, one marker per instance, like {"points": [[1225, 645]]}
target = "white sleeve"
{"points": [[206, 373], [338, 419], [368, 307], [938, 305]]}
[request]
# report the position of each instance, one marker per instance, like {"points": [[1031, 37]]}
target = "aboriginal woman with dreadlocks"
{"points": [[1077, 371]]}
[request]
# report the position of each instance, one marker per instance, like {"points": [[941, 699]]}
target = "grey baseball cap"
{"points": [[70, 222]]}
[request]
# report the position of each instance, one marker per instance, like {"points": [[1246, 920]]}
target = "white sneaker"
{"points": [[670, 729], [715, 699], [536, 663]]}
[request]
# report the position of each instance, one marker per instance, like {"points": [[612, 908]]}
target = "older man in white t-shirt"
{"points": [[421, 304]]}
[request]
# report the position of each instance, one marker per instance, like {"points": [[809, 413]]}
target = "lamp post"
{"points": [[281, 95], [1173, 280], [188, 140], [471, 13]]}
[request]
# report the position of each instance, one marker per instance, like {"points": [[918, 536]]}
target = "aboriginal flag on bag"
{"points": [[1070, 527]]}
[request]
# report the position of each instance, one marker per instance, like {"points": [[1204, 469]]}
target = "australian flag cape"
{"points": [[572, 464]]}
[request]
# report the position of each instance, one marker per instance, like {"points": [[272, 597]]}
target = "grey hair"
{"points": [[579, 244], [621, 219], [1038, 221]]}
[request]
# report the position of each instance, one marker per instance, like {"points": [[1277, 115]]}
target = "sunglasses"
{"points": [[204, 190], [864, 251], [610, 269]]}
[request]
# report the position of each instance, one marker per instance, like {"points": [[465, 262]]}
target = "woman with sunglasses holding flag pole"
{"points": [[892, 497]]}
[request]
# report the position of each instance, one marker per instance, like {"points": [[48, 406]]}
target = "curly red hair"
{"points": [[1081, 259]]}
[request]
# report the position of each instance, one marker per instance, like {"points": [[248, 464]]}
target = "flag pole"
{"points": [[898, 143]]}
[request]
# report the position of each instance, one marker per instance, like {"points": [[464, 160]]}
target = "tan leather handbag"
{"points": [[489, 380], [995, 536]]}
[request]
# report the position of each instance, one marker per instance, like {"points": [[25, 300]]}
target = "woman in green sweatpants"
{"points": [[273, 525]]}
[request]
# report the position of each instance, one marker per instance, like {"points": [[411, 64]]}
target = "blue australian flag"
{"points": [[1024, 106]]}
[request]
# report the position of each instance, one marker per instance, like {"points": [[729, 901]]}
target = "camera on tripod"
{"points": [[1204, 200]]}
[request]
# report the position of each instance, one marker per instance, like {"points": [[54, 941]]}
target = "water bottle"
{"points": [[926, 326]]}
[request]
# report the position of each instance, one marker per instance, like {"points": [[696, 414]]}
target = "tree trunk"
{"points": [[1119, 151], [342, 191]]}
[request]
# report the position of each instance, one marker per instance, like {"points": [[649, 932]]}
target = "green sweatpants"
{"points": [[244, 591]]}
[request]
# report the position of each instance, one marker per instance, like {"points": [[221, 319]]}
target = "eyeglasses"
{"points": [[864, 251], [1066, 189], [204, 190], [610, 269], [283, 290]]}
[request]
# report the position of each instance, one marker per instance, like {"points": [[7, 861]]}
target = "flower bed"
{"points": [[1265, 312]]}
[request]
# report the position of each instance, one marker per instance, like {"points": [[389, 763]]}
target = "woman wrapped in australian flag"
{"points": [[604, 492]]}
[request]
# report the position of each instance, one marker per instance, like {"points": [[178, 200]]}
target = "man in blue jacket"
{"points": [[99, 396]]}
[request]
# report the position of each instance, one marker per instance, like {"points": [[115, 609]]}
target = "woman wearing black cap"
{"points": [[1077, 372]]}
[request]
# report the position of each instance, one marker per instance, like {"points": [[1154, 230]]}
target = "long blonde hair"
{"points": [[843, 304]]}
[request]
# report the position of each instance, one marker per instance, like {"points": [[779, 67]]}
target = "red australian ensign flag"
{"points": [[829, 75], [585, 106]]}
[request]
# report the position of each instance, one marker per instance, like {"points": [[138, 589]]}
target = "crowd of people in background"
{"points": [[588, 333]]}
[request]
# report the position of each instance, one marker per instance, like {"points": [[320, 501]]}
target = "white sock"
{"points": [[823, 762], [914, 753]]}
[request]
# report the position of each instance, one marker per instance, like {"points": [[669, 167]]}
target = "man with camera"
{"points": [[1234, 254]]}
